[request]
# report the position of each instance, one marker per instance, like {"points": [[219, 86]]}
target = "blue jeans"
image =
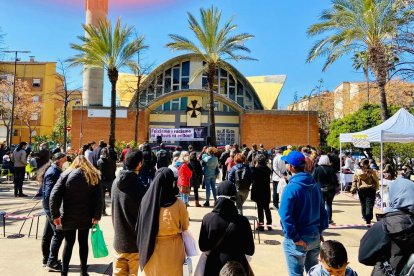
{"points": [[298, 258], [184, 198], [210, 182], [51, 241]]}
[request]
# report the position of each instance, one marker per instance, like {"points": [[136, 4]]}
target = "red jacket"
{"points": [[184, 175]]}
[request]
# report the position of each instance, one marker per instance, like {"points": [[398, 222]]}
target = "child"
{"points": [[333, 261], [184, 176]]}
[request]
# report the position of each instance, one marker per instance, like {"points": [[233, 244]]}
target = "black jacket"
{"points": [[261, 185], [197, 176], [96, 155], [76, 201], [223, 157], [391, 239], [107, 169], [326, 177], [127, 193], [238, 242]]}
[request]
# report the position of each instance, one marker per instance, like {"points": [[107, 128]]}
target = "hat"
{"points": [[294, 158], [58, 156]]}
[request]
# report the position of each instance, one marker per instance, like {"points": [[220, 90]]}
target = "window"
{"points": [[175, 104], [36, 83], [35, 99], [184, 103]]}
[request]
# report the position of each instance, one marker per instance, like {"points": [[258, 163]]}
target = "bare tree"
{"points": [[64, 95]]}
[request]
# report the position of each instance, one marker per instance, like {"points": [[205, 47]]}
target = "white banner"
{"points": [[178, 134]]}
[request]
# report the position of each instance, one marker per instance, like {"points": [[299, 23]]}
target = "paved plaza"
{"points": [[22, 256]]}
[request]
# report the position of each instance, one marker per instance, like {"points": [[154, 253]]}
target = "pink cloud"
{"points": [[116, 3]]}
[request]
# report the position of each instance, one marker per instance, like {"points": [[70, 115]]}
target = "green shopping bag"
{"points": [[98, 242]]}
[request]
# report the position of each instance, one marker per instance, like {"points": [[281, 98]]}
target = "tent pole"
{"points": [[340, 164], [381, 174]]}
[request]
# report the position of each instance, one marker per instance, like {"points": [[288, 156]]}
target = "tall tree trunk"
{"points": [[137, 110], [210, 79], [377, 56], [113, 78], [366, 73]]}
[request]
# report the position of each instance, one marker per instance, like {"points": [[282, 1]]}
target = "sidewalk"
{"points": [[22, 256]]}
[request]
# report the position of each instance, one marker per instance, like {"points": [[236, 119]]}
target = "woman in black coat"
{"points": [[107, 169], [196, 177], [325, 175], [78, 191], [261, 191], [225, 233]]}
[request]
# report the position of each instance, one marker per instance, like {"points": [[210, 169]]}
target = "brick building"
{"points": [[173, 107]]}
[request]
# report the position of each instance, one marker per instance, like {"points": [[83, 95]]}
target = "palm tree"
{"points": [[111, 48], [215, 45], [360, 25]]}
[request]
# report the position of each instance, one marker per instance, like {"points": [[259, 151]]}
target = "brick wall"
{"points": [[95, 129], [271, 128], [278, 128]]}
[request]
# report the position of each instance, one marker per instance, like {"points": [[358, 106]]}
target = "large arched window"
{"points": [[177, 77]]}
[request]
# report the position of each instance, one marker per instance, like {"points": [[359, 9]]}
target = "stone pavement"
{"points": [[22, 256]]}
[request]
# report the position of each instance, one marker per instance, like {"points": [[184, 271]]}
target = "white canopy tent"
{"points": [[399, 129]]}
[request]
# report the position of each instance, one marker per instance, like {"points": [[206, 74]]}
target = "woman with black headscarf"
{"points": [[225, 233], [161, 220]]}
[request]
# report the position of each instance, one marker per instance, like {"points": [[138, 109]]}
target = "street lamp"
{"points": [[14, 93], [317, 88]]}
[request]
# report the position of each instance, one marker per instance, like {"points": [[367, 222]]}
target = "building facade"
{"points": [[173, 104], [45, 86]]}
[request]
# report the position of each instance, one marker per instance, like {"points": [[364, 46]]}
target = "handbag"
{"points": [[201, 265], [189, 244], [98, 242]]}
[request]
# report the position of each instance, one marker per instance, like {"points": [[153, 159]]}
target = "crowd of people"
{"points": [[151, 193]]}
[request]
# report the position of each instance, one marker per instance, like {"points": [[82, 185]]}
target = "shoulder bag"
{"points": [[201, 265]]}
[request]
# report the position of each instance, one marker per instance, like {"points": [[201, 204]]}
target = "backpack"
{"points": [[162, 159], [252, 157], [242, 181]]}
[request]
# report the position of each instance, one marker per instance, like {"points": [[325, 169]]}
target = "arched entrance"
{"points": [[180, 114]]}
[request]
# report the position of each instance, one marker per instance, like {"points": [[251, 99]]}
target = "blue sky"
{"points": [[46, 28]]}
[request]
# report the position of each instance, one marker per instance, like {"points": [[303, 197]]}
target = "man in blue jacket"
{"points": [[52, 237], [303, 216]]}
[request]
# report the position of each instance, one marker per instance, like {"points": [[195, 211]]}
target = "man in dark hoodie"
{"points": [[302, 215], [127, 193]]}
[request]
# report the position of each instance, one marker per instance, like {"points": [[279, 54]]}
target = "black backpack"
{"points": [[162, 159], [242, 181]]}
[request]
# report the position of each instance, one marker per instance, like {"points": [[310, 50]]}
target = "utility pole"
{"points": [[14, 93]]}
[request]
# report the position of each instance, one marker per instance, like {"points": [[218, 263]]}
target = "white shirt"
{"points": [[279, 167]]}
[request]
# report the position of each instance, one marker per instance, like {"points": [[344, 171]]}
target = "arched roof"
{"points": [[171, 62]]}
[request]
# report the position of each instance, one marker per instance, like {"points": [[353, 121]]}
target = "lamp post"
{"points": [[14, 93], [80, 100], [317, 88]]}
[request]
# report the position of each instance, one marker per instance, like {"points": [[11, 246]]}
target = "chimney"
{"points": [[32, 59]]}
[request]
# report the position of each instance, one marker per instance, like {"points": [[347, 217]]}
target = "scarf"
{"points": [[226, 196], [401, 193], [160, 194]]}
